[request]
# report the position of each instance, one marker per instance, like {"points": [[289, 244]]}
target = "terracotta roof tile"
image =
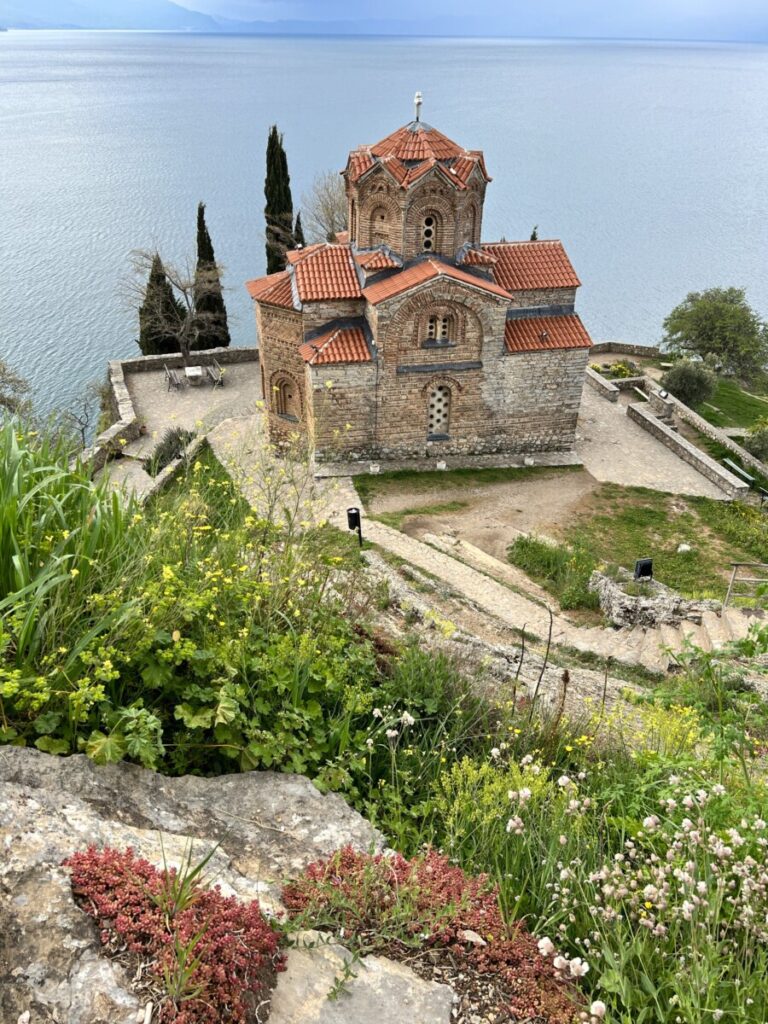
{"points": [[326, 272], [341, 345], [478, 258], [524, 266], [543, 333], [295, 255], [411, 151], [425, 270], [274, 289], [377, 260]]}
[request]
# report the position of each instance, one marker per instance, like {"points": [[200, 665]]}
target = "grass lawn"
{"points": [[622, 524], [372, 485], [733, 407]]}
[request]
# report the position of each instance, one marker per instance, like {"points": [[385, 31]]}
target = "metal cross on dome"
{"points": [[417, 99]]}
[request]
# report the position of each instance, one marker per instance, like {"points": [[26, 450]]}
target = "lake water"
{"points": [[649, 161]]}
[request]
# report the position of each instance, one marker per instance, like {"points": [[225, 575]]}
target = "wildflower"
{"points": [[528, 759], [407, 719], [718, 790], [391, 734], [718, 1015], [495, 753], [650, 823], [74, 572], [176, 636], [563, 781], [578, 967], [598, 1008], [560, 963], [369, 743], [546, 946], [376, 712]]}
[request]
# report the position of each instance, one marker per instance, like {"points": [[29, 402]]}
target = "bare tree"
{"points": [[324, 207], [14, 390], [187, 318]]}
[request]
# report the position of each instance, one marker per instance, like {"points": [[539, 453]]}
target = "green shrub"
{"points": [[692, 383], [170, 448], [756, 441]]}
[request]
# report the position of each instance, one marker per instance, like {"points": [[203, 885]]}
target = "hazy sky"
{"points": [[691, 19]]}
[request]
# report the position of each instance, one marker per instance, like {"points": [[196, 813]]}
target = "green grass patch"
{"points": [[733, 407], [396, 519], [373, 485]]}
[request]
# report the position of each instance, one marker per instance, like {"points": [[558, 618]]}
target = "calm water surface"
{"points": [[649, 161]]}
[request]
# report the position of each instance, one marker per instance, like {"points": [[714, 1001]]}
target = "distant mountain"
{"points": [[135, 14]]}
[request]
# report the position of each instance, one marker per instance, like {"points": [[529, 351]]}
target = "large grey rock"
{"points": [[268, 825], [371, 990]]}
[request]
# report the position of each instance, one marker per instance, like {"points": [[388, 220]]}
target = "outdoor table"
{"points": [[194, 374]]}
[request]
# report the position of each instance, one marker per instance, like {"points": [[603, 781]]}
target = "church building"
{"points": [[408, 341]]}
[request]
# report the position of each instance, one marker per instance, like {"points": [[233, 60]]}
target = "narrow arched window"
{"points": [[439, 413], [379, 226], [287, 400], [429, 233]]}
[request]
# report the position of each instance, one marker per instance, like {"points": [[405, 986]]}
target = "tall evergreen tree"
{"points": [[278, 211], [159, 314], [298, 232], [211, 313]]}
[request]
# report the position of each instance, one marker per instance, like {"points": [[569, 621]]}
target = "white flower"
{"points": [[546, 946], [528, 759], [391, 734], [598, 1008], [718, 1015], [376, 712], [563, 781], [578, 967], [525, 794], [650, 823], [369, 743], [560, 963], [407, 719], [495, 753]]}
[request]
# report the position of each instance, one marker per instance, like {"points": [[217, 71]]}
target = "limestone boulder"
{"points": [[268, 826]]}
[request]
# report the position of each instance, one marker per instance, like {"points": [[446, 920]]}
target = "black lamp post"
{"points": [[354, 522]]}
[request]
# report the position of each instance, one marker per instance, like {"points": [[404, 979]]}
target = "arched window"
{"points": [[379, 226], [439, 413], [440, 330], [287, 399]]}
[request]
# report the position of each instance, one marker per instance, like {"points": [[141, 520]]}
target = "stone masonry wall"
{"points": [[543, 297], [280, 334]]}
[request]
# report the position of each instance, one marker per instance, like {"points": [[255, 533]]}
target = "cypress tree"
{"points": [[211, 313], [160, 314], [298, 232], [278, 211]]}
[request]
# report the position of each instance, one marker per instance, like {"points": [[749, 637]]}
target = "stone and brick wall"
{"points": [[540, 297], [280, 334]]}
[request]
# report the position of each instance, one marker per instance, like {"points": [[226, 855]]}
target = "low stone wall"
{"points": [[704, 427], [630, 383], [604, 387], [172, 470], [328, 469], [653, 605], [127, 427], [688, 452], [620, 348]]}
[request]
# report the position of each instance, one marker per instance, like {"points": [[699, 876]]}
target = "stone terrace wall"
{"points": [[127, 427], [602, 385], [688, 452], [650, 351]]}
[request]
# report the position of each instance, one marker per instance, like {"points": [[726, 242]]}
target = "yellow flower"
{"points": [[176, 636], [74, 572]]}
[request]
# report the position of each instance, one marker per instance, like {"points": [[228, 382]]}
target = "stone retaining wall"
{"points": [[127, 427], [649, 351], [688, 452], [438, 464], [604, 387], [172, 470]]}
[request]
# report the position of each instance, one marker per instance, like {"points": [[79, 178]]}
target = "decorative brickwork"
{"points": [[448, 348]]}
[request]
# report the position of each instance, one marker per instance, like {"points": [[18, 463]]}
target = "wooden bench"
{"points": [[734, 468], [215, 374], [172, 378]]}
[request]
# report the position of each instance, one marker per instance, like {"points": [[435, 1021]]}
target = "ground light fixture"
{"points": [[644, 569], [354, 522]]}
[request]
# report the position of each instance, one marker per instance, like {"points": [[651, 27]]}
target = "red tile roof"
{"points": [[543, 333], [377, 260], [524, 266], [326, 271], [479, 258], [342, 237], [413, 150], [295, 255], [274, 289], [423, 271], [341, 345]]}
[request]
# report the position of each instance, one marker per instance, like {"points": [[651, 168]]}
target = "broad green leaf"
{"points": [[105, 749], [51, 746], [47, 723], [226, 709], [194, 718]]}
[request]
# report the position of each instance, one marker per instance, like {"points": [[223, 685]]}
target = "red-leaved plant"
{"points": [[428, 900], [212, 953]]}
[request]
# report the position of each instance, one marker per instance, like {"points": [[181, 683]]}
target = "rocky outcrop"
{"points": [[268, 827]]}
